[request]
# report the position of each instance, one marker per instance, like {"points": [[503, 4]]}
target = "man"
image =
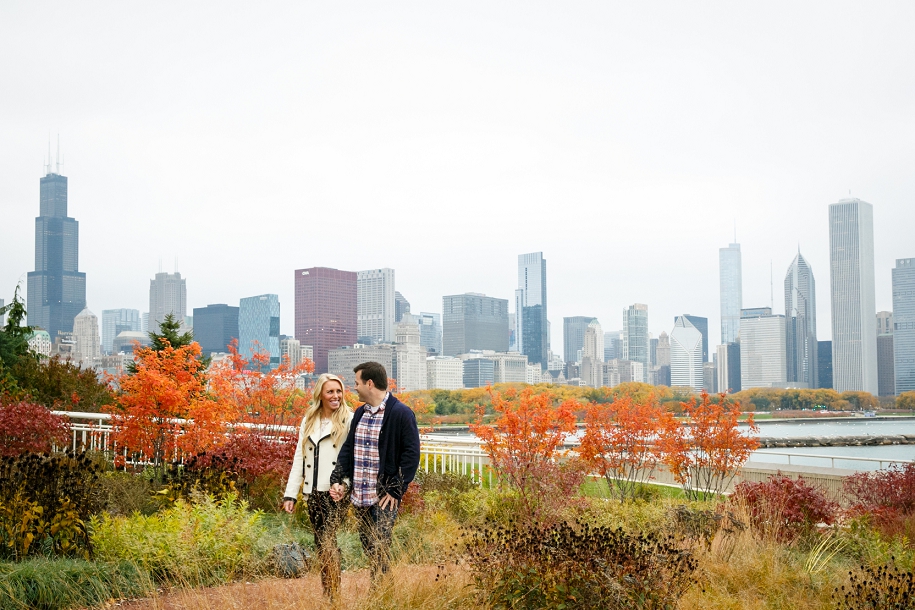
{"points": [[377, 462]]}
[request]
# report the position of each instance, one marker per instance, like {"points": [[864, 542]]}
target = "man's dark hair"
{"points": [[374, 372]]}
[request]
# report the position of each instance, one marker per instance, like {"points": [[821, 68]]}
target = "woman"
{"points": [[321, 434]]}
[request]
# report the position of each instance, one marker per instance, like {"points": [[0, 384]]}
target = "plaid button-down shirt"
{"points": [[366, 459]]}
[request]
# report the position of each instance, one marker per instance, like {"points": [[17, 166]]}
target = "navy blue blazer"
{"points": [[398, 450]]}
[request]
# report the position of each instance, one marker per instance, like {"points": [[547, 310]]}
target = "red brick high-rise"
{"points": [[325, 310]]}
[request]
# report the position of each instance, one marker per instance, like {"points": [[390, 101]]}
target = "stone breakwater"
{"points": [[836, 441]]}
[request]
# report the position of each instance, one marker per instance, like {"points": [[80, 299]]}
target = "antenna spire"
{"points": [[771, 287], [58, 154]]}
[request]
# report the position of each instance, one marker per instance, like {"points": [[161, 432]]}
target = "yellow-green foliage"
{"points": [[204, 542]]}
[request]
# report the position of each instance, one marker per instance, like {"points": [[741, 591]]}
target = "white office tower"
{"points": [[592, 355], [851, 278], [686, 355], [762, 349], [291, 351], [86, 336], [731, 286], [375, 305], [444, 373], [167, 295], [409, 356], [800, 325]]}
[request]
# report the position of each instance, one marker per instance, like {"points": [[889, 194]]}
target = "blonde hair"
{"points": [[341, 416]]}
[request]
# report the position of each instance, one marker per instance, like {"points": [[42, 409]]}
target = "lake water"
{"points": [[849, 427]]}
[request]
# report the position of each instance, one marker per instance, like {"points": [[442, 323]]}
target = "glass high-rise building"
{"points": [[473, 321], [430, 332], [573, 336], [800, 324], [531, 327], [635, 334], [851, 278], [215, 326], [904, 324], [259, 327], [824, 364], [731, 292], [56, 289], [325, 310], [114, 322]]}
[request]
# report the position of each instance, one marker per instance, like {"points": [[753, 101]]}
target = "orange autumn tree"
{"points": [[525, 446], [258, 393], [621, 441], [163, 408], [706, 453]]}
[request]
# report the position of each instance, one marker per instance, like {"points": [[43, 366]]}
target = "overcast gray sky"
{"points": [[443, 139]]}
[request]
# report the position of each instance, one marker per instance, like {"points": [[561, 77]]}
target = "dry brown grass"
{"points": [[751, 570], [418, 587]]}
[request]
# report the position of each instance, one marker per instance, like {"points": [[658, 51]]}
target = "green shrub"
{"points": [[45, 502], [124, 493], [209, 541], [58, 584], [576, 566]]}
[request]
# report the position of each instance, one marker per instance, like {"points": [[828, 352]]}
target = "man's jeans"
{"points": [[375, 527]]}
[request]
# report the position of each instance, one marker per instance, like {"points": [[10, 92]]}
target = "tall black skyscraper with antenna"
{"points": [[56, 289]]}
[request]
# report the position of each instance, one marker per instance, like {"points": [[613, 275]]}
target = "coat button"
{"points": [[309, 466], [309, 448], [333, 463]]}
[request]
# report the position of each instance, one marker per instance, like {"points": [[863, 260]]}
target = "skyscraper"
{"points": [[886, 374], [56, 289], [531, 326], [662, 357], [375, 311], [904, 324], [800, 325], [325, 310], [729, 367], [474, 321], [115, 321], [401, 306], [635, 334], [592, 355], [167, 295], [762, 349], [409, 356], [85, 334], [731, 287], [573, 336], [686, 355], [259, 327], [700, 324], [851, 278], [215, 326], [430, 332], [824, 364]]}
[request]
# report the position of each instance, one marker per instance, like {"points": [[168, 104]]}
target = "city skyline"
{"points": [[778, 138]]}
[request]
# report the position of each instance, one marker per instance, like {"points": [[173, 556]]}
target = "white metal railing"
{"points": [[439, 452], [832, 458]]}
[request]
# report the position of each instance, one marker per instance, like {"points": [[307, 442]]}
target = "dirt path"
{"points": [[276, 594]]}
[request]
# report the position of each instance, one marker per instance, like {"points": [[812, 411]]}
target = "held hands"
{"points": [[387, 502], [337, 492]]}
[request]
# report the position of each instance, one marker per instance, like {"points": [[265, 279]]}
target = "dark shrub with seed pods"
{"points": [[884, 588], [576, 566]]}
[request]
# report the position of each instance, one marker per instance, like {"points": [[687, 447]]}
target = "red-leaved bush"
{"points": [[26, 427], [887, 497], [785, 508], [253, 456]]}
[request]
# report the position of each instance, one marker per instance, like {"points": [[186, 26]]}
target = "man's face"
{"points": [[363, 388]]}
